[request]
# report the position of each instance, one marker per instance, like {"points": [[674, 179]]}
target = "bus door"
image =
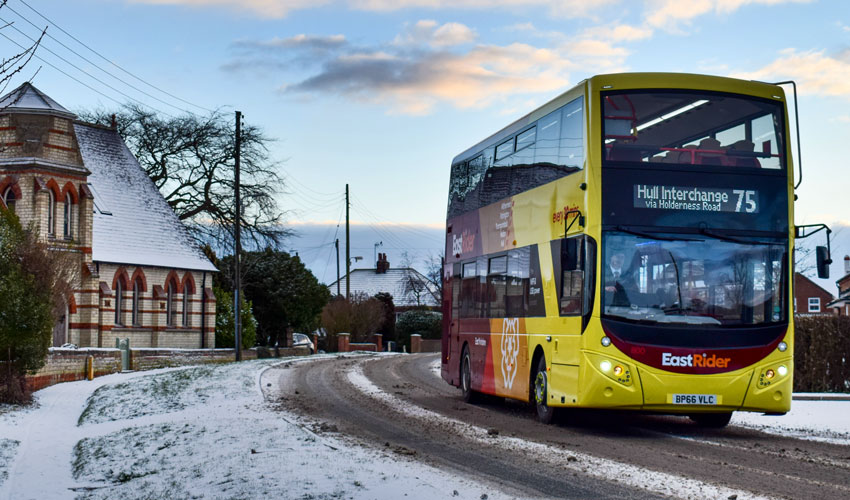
{"points": [[573, 260]]}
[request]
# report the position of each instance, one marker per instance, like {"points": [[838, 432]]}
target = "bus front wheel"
{"points": [[545, 413], [712, 420], [469, 395]]}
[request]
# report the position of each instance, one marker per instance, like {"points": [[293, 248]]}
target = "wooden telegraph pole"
{"points": [[347, 249], [238, 238]]}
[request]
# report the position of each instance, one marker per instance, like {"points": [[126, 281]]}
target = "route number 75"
{"points": [[748, 197]]}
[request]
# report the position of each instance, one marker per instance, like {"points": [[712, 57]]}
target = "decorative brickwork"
{"points": [[43, 163]]}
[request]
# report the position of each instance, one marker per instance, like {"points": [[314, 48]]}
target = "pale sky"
{"points": [[382, 94]]}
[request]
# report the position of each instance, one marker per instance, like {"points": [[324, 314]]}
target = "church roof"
{"points": [[133, 224], [30, 100]]}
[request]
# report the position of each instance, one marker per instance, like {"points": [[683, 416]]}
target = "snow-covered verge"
{"points": [[201, 432], [826, 421]]}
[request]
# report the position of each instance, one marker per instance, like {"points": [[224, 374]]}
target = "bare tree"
{"points": [[191, 160], [434, 271], [415, 284]]}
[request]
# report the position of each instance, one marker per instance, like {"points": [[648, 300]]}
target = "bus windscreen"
{"points": [[693, 279], [692, 128]]}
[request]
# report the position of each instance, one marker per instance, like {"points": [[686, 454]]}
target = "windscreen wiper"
{"points": [[649, 236], [733, 239]]}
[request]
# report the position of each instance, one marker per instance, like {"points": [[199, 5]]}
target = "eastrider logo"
{"points": [[463, 244], [695, 360]]}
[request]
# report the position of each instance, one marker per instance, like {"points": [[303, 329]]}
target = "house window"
{"points": [[9, 198], [137, 291], [171, 302], [119, 296], [185, 307], [51, 213], [68, 217], [814, 304]]}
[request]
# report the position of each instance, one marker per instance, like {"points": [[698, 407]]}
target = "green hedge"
{"points": [[822, 354]]}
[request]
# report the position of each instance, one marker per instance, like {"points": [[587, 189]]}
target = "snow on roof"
{"points": [[142, 228], [392, 282], [28, 99]]}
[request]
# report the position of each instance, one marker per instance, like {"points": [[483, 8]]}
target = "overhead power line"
{"points": [[81, 70], [64, 72], [84, 58], [103, 57]]}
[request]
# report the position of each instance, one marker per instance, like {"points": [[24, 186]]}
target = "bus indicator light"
{"points": [[606, 341], [782, 347], [769, 374], [618, 370]]}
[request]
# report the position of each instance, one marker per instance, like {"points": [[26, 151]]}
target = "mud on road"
{"points": [[401, 403]]}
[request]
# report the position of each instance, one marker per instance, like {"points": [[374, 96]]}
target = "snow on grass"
{"points": [[169, 392], [825, 421], [604, 469], [7, 452], [201, 432]]}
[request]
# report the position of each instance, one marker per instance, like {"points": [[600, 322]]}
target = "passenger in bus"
{"points": [[615, 278]]}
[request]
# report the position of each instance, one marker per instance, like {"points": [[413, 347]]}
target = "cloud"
{"points": [[670, 15], [814, 71], [280, 8], [430, 32], [413, 82], [262, 8]]}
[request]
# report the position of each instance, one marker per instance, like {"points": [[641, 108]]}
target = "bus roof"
{"points": [[628, 80]]}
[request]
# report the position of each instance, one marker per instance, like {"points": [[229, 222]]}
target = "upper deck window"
{"points": [[693, 128]]}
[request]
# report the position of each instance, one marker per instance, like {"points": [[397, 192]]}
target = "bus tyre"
{"points": [[469, 395], [545, 413], [712, 420]]}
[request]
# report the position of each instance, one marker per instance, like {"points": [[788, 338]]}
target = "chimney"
{"points": [[847, 264], [379, 266], [114, 123], [386, 263]]}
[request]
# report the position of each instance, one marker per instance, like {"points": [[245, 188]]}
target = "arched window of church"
{"points": [[185, 307], [119, 296], [68, 216], [9, 198], [137, 292], [51, 213], [171, 309]]}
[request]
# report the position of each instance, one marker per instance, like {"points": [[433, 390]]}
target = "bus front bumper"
{"points": [[612, 383]]}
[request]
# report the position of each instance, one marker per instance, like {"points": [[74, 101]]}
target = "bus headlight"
{"points": [[605, 366], [606, 341], [782, 347], [618, 370], [769, 374], [782, 370]]}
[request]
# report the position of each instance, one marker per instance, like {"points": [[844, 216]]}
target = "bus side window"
{"points": [[572, 278], [496, 286], [468, 291]]}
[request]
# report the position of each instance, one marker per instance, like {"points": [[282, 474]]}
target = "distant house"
{"points": [[810, 299], [841, 305], [137, 272], [408, 287]]}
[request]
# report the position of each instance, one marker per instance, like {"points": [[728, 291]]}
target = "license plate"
{"points": [[694, 399]]}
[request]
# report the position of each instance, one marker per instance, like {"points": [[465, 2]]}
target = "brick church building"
{"points": [[138, 273]]}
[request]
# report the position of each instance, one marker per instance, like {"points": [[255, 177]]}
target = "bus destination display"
{"points": [[698, 199]]}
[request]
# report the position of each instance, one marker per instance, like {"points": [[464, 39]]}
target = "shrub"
{"points": [[225, 325], [361, 317], [422, 322], [821, 350], [33, 289]]}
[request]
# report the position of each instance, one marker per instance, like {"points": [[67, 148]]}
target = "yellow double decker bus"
{"points": [[628, 245]]}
